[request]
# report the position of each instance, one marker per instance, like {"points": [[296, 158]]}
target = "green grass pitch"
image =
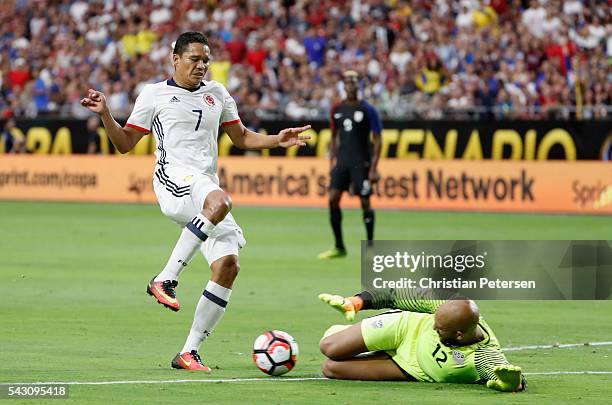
{"points": [[74, 307]]}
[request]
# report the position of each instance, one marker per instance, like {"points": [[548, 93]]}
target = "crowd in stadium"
{"points": [[428, 59]]}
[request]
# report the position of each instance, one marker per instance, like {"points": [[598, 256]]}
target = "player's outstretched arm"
{"points": [[244, 138], [508, 379], [423, 301], [124, 138], [340, 303]]}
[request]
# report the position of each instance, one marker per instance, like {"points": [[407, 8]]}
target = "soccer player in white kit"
{"points": [[184, 113]]}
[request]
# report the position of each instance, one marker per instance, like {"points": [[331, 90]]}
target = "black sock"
{"points": [[368, 219], [335, 217]]}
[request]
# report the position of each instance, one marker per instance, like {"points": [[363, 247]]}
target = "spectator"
{"points": [[291, 52], [93, 136], [236, 47], [314, 43], [14, 141], [256, 57], [18, 76], [430, 79], [534, 19], [220, 68], [40, 92]]}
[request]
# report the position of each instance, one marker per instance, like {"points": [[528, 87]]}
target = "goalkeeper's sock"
{"points": [[192, 236], [209, 311]]}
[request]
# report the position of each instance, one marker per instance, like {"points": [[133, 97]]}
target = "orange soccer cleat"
{"points": [[164, 292], [189, 361]]}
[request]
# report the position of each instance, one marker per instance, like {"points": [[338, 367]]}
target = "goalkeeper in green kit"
{"points": [[422, 339]]}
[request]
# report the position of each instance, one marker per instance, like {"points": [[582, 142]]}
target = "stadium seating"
{"points": [[421, 58]]}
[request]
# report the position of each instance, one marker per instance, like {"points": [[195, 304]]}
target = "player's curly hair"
{"points": [[187, 38]]}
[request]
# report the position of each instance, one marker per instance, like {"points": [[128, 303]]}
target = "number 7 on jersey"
{"points": [[199, 118]]}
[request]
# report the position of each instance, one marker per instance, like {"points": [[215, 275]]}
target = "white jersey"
{"points": [[185, 123]]}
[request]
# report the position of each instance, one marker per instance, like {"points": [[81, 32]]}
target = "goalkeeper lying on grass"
{"points": [[421, 340]]}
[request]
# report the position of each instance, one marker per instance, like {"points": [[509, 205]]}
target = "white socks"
{"points": [[209, 311], [191, 238], [213, 301]]}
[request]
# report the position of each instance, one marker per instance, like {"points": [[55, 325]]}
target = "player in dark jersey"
{"points": [[354, 159]]}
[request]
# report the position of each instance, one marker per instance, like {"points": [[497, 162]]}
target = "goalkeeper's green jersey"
{"points": [[409, 338]]}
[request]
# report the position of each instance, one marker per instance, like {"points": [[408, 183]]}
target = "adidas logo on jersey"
{"points": [[174, 99]]}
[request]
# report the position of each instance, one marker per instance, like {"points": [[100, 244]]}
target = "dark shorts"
{"points": [[353, 177]]}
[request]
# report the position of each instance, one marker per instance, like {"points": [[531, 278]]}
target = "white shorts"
{"points": [[181, 194]]}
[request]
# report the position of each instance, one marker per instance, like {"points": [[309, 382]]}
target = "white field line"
{"points": [[570, 373], [556, 346], [210, 380], [228, 380]]}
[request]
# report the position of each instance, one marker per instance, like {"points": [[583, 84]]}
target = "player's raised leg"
{"points": [[216, 206], [335, 218]]}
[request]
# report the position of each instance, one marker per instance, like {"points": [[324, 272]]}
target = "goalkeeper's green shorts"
{"points": [[396, 333]]}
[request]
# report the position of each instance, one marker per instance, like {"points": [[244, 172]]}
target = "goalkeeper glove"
{"points": [[508, 379]]}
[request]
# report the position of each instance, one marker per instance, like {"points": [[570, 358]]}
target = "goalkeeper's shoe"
{"points": [[508, 379], [340, 303], [164, 292], [189, 361], [333, 253]]}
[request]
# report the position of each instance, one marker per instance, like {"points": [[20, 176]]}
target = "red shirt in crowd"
{"points": [[237, 50], [249, 23], [18, 78], [500, 6], [256, 59], [561, 53]]}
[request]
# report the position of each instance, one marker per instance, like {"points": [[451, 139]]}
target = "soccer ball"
{"points": [[275, 352]]}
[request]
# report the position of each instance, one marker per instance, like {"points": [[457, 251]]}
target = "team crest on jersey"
{"points": [[358, 116], [377, 324], [210, 100], [458, 357]]}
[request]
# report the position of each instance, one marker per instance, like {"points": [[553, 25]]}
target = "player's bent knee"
{"points": [[365, 204], [334, 203], [324, 346], [217, 205], [329, 347], [226, 202], [334, 198]]}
